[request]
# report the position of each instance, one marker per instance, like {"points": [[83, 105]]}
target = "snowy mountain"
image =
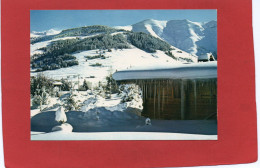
{"points": [[95, 51], [184, 34], [209, 42], [193, 37], [150, 26]]}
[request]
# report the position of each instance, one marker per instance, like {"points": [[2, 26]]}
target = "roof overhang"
{"points": [[184, 71]]}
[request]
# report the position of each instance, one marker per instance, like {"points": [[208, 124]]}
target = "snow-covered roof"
{"points": [[184, 71], [57, 83], [205, 56]]}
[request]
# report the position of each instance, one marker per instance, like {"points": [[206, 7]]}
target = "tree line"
{"points": [[58, 53]]}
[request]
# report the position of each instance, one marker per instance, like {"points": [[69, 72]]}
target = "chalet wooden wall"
{"points": [[181, 99]]}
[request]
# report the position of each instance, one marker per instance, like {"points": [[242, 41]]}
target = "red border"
{"points": [[236, 95]]}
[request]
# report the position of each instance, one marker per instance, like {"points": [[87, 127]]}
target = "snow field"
{"points": [[119, 136], [115, 61]]}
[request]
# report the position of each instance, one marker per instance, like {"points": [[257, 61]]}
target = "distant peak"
{"points": [[181, 20], [159, 23], [149, 19], [46, 32], [212, 23]]}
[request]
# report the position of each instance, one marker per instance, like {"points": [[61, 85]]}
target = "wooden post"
{"points": [[195, 97], [182, 101]]}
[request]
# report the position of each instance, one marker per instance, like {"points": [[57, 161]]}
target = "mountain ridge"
{"points": [[196, 38], [58, 51]]}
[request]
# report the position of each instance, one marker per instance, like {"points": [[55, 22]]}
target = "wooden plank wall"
{"points": [[181, 99]]}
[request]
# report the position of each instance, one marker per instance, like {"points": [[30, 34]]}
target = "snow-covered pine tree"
{"points": [[60, 115], [41, 97], [85, 85], [44, 96], [111, 86], [70, 103], [65, 85]]}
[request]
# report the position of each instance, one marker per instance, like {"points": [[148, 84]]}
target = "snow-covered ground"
{"points": [[111, 119], [119, 136], [104, 124], [52, 105], [115, 61], [88, 100]]}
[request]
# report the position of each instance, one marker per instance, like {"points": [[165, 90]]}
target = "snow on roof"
{"points": [[184, 71], [205, 56], [57, 83]]}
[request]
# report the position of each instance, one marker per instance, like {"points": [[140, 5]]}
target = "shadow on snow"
{"points": [[117, 121]]}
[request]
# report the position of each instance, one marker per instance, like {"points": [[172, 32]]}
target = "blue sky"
{"points": [[62, 19]]}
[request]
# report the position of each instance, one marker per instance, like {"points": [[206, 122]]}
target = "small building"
{"points": [[57, 84], [206, 57], [185, 92]]}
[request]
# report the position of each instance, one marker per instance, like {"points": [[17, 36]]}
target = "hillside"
{"points": [[79, 31], [58, 51], [193, 37], [95, 51]]}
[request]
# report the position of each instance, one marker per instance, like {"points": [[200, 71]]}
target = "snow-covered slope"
{"points": [[193, 37], [97, 69], [183, 34], [209, 42], [115, 61], [35, 34], [36, 48], [150, 26], [127, 28]]}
